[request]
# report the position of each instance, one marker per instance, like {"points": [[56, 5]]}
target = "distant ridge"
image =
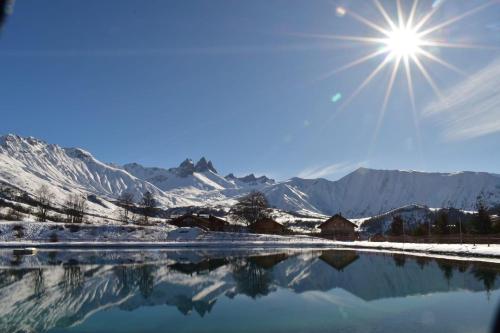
{"points": [[26, 163]]}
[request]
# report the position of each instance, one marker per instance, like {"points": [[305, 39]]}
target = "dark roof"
{"points": [[266, 221], [335, 218], [207, 223]]}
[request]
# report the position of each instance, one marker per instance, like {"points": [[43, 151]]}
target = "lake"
{"points": [[244, 291]]}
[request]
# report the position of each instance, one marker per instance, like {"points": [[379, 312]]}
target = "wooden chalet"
{"points": [[339, 228], [210, 223], [267, 225]]}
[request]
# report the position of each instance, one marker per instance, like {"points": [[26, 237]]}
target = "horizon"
{"points": [[253, 89], [195, 160]]}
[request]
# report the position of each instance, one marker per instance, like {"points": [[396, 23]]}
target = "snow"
{"points": [[27, 163], [368, 192], [184, 234], [38, 234], [492, 250]]}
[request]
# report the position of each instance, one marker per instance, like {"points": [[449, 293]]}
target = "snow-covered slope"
{"points": [[27, 163], [368, 192], [201, 176]]}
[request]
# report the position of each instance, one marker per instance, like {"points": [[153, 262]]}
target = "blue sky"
{"points": [[244, 83]]}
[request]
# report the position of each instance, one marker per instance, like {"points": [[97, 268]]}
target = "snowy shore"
{"points": [[479, 250], [41, 235], [260, 241]]}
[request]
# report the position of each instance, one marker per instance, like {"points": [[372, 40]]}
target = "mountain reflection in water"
{"points": [[63, 290]]}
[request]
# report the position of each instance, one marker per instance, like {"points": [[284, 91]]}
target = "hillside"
{"points": [[27, 163]]}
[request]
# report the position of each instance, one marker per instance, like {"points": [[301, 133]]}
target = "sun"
{"points": [[406, 42], [403, 42]]}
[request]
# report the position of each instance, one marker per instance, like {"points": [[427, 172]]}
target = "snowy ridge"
{"points": [[368, 192], [26, 163]]}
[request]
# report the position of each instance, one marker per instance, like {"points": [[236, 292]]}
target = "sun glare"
{"points": [[407, 41], [403, 42]]}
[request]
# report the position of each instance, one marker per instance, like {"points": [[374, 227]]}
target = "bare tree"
{"points": [[44, 200], [126, 202], [148, 205], [75, 208], [482, 222], [251, 208]]}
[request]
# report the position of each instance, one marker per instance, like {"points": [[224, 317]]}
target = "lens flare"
{"points": [[405, 42]]}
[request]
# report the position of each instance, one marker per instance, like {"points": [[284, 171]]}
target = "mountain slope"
{"points": [[26, 163], [368, 192]]}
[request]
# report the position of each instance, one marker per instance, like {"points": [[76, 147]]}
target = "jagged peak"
{"points": [[204, 165], [14, 138], [185, 169], [187, 163]]}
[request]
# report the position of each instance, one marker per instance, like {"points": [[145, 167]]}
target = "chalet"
{"points": [[211, 223], [338, 227], [267, 225]]}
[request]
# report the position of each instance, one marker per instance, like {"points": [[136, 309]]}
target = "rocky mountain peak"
{"points": [[186, 168], [203, 165]]}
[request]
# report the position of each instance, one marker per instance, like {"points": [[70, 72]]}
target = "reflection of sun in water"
{"points": [[405, 43]]}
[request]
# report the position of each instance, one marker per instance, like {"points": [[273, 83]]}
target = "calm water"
{"points": [[251, 291]]}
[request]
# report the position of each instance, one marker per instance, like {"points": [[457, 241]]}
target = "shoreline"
{"points": [[452, 250]]}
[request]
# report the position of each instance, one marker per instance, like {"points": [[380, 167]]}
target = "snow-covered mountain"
{"points": [[368, 192], [26, 163]]}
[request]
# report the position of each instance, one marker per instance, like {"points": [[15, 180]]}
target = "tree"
{"points": [[420, 230], [75, 208], [483, 224], [148, 205], [251, 208], [441, 223], [397, 226], [44, 200], [126, 202]]}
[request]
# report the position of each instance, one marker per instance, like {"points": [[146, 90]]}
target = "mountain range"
{"points": [[26, 163]]}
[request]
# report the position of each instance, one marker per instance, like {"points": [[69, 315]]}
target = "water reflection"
{"points": [[60, 290]]}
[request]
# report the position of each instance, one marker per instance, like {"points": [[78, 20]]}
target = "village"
{"points": [[336, 227]]}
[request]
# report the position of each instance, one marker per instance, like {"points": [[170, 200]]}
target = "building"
{"points": [[211, 223], [267, 225], [338, 227]]}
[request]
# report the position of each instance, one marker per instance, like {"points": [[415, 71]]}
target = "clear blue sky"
{"points": [[242, 83]]}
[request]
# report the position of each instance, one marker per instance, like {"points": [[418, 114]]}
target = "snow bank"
{"points": [[492, 250], [38, 234]]}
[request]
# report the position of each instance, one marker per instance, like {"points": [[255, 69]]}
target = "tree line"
{"points": [[444, 223]]}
